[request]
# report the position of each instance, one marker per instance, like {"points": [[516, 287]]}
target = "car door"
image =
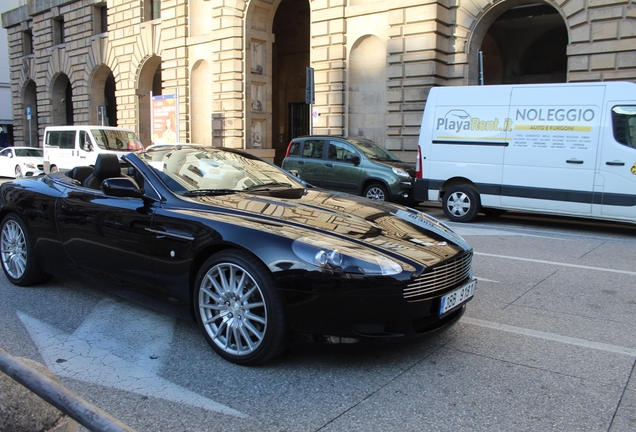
{"points": [[341, 173], [5, 162], [108, 235], [617, 162], [85, 149], [551, 160], [311, 164]]}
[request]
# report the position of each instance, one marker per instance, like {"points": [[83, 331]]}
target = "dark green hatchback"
{"points": [[354, 165]]}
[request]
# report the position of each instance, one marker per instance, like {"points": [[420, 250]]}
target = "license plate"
{"points": [[457, 297]]}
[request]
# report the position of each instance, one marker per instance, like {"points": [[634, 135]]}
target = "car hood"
{"points": [[380, 225], [29, 159], [408, 167]]}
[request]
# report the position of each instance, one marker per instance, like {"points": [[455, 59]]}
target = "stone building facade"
{"points": [[239, 67]]}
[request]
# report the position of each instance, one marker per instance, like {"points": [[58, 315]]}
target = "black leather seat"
{"points": [[106, 166], [80, 173]]}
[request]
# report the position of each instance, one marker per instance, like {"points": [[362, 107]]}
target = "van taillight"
{"points": [[288, 148], [418, 164]]}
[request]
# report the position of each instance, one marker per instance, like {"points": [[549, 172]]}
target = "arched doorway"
{"points": [[290, 58], [521, 43], [31, 137], [103, 101], [149, 81], [62, 101]]}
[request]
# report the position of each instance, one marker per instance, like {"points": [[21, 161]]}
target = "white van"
{"points": [[66, 147], [567, 149]]}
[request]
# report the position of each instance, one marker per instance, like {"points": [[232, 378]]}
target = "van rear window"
{"points": [[61, 139], [624, 124]]}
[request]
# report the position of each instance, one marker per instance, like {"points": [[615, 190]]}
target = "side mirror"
{"points": [[122, 187], [353, 158], [295, 173]]}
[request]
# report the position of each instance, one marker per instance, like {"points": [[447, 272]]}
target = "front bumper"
{"points": [[420, 189], [402, 193], [363, 310]]}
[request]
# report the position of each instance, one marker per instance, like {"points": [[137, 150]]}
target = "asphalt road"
{"points": [[547, 344]]}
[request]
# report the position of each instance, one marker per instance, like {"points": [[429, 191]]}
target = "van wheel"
{"points": [[53, 169], [375, 191], [461, 203]]}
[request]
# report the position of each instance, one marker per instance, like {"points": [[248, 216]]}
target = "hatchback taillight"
{"points": [[288, 148], [418, 164]]}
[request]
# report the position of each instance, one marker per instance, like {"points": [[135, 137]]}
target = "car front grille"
{"points": [[440, 278], [41, 167]]}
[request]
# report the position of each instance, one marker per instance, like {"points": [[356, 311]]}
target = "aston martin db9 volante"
{"points": [[239, 245]]}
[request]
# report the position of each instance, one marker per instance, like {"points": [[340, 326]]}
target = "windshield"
{"points": [[373, 151], [28, 152], [116, 140], [208, 170]]}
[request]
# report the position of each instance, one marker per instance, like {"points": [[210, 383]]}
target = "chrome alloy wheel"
{"points": [[232, 309], [13, 249], [459, 204], [375, 193]]}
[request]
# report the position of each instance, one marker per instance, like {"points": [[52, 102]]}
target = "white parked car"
{"points": [[21, 162]]}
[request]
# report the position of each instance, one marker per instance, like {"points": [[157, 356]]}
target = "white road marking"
{"points": [[631, 273], [551, 336], [115, 347], [486, 280]]}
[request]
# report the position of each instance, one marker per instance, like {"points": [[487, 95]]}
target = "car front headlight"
{"points": [[29, 165], [401, 173], [344, 258]]}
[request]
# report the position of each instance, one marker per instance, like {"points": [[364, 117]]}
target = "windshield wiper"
{"points": [[267, 186], [204, 192]]}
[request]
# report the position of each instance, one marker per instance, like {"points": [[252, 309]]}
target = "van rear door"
{"points": [[617, 164], [550, 162]]}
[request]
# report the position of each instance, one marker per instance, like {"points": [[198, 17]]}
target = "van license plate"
{"points": [[457, 297]]}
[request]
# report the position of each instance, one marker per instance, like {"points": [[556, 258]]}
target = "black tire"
{"points": [[53, 169], [461, 203], [239, 309], [17, 254], [18, 172], [376, 191], [493, 212]]}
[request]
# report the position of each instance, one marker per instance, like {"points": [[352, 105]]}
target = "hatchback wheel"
{"points": [[239, 308], [375, 191]]}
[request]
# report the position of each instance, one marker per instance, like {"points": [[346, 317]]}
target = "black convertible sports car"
{"points": [[241, 246]]}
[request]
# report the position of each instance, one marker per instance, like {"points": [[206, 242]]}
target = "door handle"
{"points": [[329, 165], [301, 162], [616, 163], [574, 161], [161, 233]]}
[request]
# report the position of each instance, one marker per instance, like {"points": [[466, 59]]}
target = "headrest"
{"points": [[106, 166]]}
